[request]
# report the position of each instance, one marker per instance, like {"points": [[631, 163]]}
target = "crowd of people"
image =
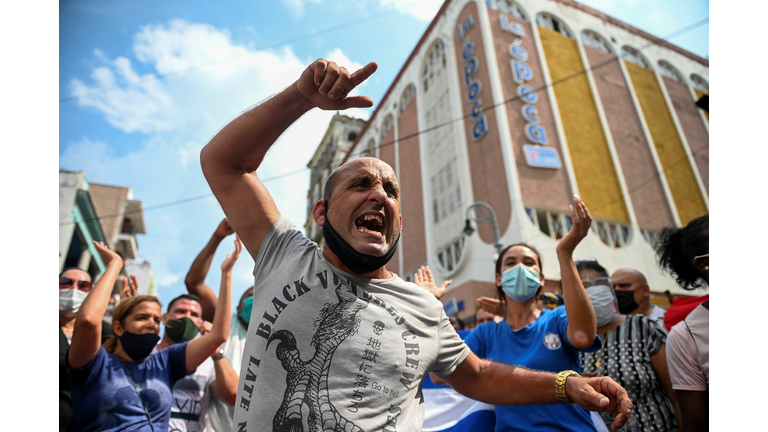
{"points": [[329, 339]]}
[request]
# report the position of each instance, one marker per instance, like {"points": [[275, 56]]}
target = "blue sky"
{"points": [[143, 85]]}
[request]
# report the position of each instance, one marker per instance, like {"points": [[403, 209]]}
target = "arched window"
{"points": [[405, 99], [594, 40], [386, 126], [507, 6], [700, 83], [548, 21], [669, 71], [434, 64], [368, 150], [632, 55]]}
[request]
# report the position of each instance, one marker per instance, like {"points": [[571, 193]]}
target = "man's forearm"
{"points": [[195, 279], [504, 384], [242, 144], [225, 384]]}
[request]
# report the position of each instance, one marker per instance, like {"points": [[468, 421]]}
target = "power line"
{"points": [[216, 62], [181, 201], [415, 134], [545, 86]]}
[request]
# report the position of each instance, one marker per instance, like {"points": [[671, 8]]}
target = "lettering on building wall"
{"points": [[536, 155], [474, 88]]}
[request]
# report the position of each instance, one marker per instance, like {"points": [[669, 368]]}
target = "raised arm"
{"points": [[86, 335], [229, 162], [206, 345], [195, 280], [582, 323], [503, 384]]}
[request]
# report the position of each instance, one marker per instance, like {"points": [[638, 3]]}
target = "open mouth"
{"points": [[371, 223]]}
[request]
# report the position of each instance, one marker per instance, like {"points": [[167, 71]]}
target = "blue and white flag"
{"points": [[445, 410]]}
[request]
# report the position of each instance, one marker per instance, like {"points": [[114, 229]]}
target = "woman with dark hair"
{"points": [[120, 386], [548, 340], [684, 252], [633, 354]]}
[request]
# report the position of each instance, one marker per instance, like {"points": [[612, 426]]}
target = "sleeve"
{"points": [[682, 360], [653, 336], [97, 362], [452, 350], [174, 358], [475, 340], [282, 240]]}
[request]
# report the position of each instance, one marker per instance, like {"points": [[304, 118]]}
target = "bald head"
{"points": [[631, 280], [629, 273], [348, 167]]}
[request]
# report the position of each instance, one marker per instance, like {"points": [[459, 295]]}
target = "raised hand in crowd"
{"points": [[130, 287], [492, 305], [195, 279], [424, 278]]}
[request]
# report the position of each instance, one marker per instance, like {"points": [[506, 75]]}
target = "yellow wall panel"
{"points": [[674, 162], [593, 166]]}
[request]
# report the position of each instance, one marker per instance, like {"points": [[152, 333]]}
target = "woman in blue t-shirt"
{"points": [[548, 340], [120, 386]]}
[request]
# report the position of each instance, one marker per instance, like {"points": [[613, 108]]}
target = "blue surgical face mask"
{"points": [[520, 282], [245, 314]]}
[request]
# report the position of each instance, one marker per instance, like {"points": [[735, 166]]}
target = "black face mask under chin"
{"points": [[357, 262]]}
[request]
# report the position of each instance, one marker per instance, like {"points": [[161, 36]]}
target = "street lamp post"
{"points": [[483, 213]]}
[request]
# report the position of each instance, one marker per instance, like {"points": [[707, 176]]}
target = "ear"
{"points": [[646, 291], [401, 222], [117, 328], [498, 280], [164, 318], [318, 213]]}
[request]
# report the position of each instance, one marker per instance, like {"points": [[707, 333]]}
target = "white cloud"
{"points": [[296, 7], [421, 9], [171, 119]]}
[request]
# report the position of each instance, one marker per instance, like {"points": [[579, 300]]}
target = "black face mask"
{"points": [[626, 300], [138, 346], [181, 330], [357, 262]]}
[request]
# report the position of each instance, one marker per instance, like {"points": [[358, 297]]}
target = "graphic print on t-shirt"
{"points": [[307, 388], [358, 368]]}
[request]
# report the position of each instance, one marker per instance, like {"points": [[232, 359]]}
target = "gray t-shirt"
{"points": [[328, 350]]}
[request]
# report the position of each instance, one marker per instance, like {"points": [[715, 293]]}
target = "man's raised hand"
{"points": [[224, 229], [326, 85]]}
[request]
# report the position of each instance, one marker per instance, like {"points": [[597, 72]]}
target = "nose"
{"points": [[378, 194]]}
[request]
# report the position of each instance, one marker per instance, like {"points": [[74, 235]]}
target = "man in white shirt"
{"points": [[634, 296]]}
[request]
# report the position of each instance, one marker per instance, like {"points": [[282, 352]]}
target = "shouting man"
{"points": [[336, 341]]}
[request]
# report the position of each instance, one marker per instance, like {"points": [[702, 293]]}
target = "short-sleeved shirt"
{"points": [[626, 357], [191, 396], [541, 345], [688, 358], [219, 414], [105, 392], [332, 350]]}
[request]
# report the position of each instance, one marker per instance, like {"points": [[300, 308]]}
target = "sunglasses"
{"points": [[81, 285], [598, 281]]}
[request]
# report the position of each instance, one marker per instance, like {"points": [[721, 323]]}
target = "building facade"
{"points": [[333, 148], [522, 104], [97, 212]]}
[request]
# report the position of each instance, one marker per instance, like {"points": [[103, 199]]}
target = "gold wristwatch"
{"points": [[560, 386]]}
